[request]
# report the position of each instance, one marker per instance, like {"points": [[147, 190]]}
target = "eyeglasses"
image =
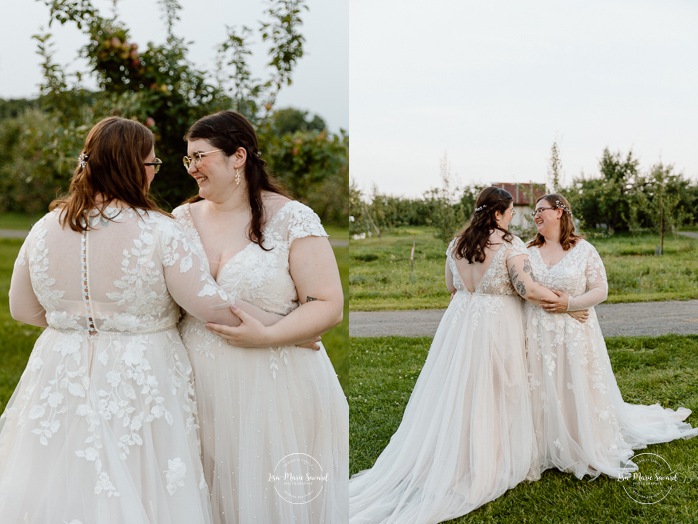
{"points": [[540, 210], [198, 156], [156, 163]]}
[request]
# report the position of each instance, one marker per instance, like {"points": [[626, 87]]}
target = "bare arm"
{"points": [[524, 282], [449, 279], [582, 315], [314, 271]]}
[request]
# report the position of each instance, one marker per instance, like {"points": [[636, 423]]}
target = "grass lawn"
{"points": [[17, 340], [336, 341], [381, 276], [648, 369], [337, 233], [18, 220]]}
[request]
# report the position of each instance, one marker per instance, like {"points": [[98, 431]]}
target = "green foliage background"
{"points": [[159, 86], [382, 276], [622, 197]]}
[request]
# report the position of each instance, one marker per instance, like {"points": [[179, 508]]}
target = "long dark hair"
{"points": [[568, 236], [229, 131], [473, 240], [110, 165]]}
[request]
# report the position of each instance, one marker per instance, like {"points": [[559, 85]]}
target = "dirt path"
{"points": [[13, 233], [640, 318]]}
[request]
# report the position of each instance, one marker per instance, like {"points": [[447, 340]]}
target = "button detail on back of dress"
{"points": [[92, 330]]}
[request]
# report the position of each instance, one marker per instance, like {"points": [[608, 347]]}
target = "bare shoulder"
{"points": [[196, 209], [273, 202]]}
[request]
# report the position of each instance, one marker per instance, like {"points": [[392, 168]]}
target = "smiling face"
{"points": [[214, 172], [547, 218]]}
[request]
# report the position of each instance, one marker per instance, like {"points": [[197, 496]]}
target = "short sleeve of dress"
{"points": [[516, 248], [451, 246], [304, 222], [179, 212]]}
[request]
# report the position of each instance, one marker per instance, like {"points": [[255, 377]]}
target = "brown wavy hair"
{"points": [[113, 156], [568, 236], [475, 237], [229, 131]]}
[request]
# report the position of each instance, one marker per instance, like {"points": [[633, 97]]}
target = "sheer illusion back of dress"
{"points": [[106, 401], [123, 276]]}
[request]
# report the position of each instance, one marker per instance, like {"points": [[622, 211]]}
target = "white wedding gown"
{"points": [[582, 424], [268, 412], [101, 427], [466, 436]]}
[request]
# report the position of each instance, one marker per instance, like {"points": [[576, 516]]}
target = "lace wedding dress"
{"points": [[582, 424], [101, 428], [269, 413], [466, 435]]}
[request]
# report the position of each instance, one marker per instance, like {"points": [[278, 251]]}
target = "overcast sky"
{"points": [[493, 84], [320, 79]]}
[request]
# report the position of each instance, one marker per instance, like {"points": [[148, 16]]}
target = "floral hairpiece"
{"points": [[478, 209], [560, 205], [82, 159]]}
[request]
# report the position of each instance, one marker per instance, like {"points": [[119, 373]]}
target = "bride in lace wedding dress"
{"points": [[466, 435], [582, 424], [101, 427], [277, 411]]}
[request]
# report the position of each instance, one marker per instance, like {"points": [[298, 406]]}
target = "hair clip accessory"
{"points": [[82, 159], [478, 209], [560, 205]]}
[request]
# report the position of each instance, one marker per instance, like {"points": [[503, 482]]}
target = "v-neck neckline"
{"points": [[222, 265], [550, 267]]}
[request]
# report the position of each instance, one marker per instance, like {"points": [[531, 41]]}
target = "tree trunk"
{"points": [[661, 233]]}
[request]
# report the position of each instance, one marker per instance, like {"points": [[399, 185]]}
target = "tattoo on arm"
{"points": [[518, 284], [528, 269], [521, 289], [310, 299]]}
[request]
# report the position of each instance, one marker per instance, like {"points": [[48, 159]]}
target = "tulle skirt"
{"points": [[103, 431], [582, 424], [274, 431], [466, 435]]}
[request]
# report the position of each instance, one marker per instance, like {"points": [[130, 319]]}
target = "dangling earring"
{"points": [[237, 176]]}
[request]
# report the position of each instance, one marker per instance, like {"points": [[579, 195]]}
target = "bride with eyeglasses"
{"points": [[582, 424], [274, 420], [101, 427], [466, 436]]}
